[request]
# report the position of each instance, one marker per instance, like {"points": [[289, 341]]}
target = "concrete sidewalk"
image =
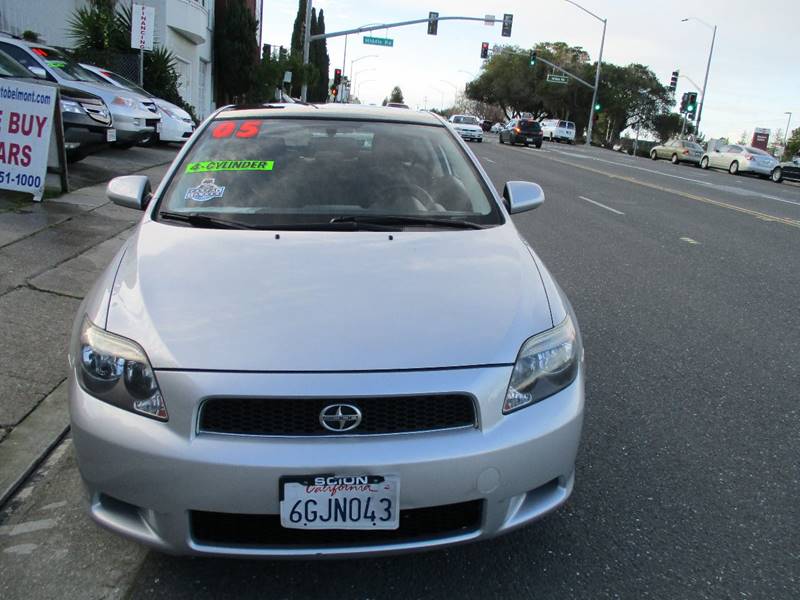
{"points": [[50, 254]]}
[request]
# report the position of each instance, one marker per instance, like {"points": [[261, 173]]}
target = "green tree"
{"points": [[792, 144], [396, 95], [235, 51], [318, 92]]}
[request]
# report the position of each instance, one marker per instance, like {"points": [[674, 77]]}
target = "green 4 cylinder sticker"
{"points": [[212, 166]]}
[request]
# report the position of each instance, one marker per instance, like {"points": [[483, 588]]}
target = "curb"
{"points": [[31, 441]]}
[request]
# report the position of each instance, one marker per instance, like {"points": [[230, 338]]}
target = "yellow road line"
{"points": [[754, 213]]}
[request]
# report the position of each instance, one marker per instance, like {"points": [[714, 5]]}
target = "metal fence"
{"points": [[126, 65]]}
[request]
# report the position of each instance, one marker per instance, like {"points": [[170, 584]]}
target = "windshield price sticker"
{"points": [[26, 122], [340, 502], [212, 166], [239, 129]]}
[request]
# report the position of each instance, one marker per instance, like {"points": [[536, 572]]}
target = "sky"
{"points": [[753, 81]]}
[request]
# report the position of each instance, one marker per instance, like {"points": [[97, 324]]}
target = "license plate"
{"points": [[111, 135], [528, 139], [158, 127], [334, 502]]}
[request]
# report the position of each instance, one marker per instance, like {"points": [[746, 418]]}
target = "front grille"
{"points": [[98, 113], [151, 122], [417, 524], [301, 416]]}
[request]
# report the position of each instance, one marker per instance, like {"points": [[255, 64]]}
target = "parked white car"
{"points": [[468, 127], [176, 124], [556, 130], [737, 158]]}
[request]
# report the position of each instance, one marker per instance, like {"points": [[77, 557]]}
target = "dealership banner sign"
{"points": [[26, 123]]}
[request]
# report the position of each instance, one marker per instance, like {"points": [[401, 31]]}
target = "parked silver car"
{"points": [[678, 151], [135, 118], [325, 337], [737, 158]]}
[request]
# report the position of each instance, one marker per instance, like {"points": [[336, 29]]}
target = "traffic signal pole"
{"points": [[306, 47], [596, 83]]}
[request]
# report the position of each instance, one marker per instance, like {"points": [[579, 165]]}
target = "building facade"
{"points": [[185, 27]]}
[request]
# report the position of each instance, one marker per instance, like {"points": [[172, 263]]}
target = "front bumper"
{"points": [[175, 130], [145, 477], [134, 127], [471, 135]]}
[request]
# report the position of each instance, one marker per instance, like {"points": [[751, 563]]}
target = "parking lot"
{"points": [[686, 287]]}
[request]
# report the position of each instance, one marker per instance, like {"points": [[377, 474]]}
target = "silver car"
{"points": [[737, 158], [678, 151], [324, 337]]}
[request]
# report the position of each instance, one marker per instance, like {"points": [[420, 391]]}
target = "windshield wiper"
{"points": [[199, 220], [407, 220]]}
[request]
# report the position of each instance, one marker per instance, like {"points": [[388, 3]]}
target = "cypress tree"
{"points": [[321, 60]]}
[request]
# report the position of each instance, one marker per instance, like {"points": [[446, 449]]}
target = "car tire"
{"points": [[674, 160], [500, 139], [479, 140], [123, 145], [734, 168], [653, 155], [776, 175], [539, 145], [704, 162]]}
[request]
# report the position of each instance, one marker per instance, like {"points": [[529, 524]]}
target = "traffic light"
{"points": [[684, 101], [337, 77], [334, 91], [433, 23], [691, 104], [533, 57], [507, 22], [597, 107], [485, 50], [673, 82]]}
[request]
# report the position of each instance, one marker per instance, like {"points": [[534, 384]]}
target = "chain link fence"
{"points": [[126, 64]]}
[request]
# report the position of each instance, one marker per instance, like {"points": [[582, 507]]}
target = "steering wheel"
{"points": [[413, 192]]}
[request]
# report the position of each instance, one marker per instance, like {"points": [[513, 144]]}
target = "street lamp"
{"points": [[354, 75], [358, 93], [708, 67], [355, 60], [441, 100], [786, 135], [597, 74], [470, 73], [455, 89]]}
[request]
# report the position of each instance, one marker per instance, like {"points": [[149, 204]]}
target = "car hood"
{"points": [[327, 301]]}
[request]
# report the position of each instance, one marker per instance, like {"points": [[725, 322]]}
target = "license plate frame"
{"points": [[340, 499]]}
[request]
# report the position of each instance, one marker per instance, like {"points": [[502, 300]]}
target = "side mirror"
{"points": [[39, 72], [130, 191], [520, 196]]}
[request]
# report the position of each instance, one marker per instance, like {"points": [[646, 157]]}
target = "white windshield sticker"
{"points": [[207, 190]]}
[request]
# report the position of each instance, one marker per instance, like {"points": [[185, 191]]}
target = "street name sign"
{"points": [[376, 41], [557, 78], [26, 123]]}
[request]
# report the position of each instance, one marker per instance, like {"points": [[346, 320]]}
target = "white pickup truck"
{"points": [[558, 131]]}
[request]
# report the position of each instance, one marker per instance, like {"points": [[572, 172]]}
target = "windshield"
{"points": [[64, 66], [126, 83], [11, 68], [528, 125], [466, 120], [282, 171], [693, 146]]}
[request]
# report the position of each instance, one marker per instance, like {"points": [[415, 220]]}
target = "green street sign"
{"points": [[376, 41], [557, 78]]}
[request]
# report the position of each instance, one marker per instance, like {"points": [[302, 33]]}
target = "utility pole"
{"points": [[596, 86], [306, 47]]}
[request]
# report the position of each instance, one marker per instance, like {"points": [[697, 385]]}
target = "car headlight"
{"points": [[120, 101], [546, 364], [116, 370], [71, 106]]}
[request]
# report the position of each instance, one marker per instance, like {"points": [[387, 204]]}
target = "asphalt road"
{"points": [[686, 286]]}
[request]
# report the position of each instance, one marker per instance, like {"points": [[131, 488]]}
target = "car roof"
{"points": [[331, 111]]}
